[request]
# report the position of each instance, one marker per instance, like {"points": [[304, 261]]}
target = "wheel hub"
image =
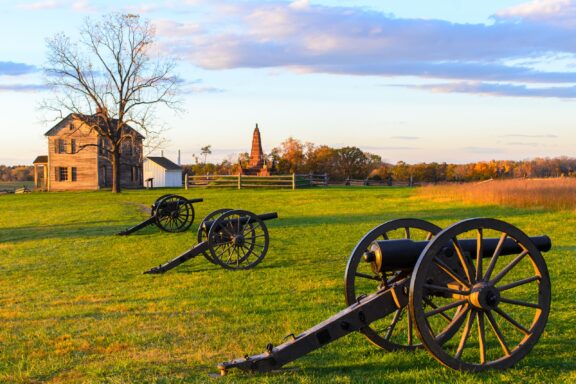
{"points": [[484, 296], [238, 240]]}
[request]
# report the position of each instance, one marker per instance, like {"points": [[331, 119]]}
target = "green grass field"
{"points": [[75, 306]]}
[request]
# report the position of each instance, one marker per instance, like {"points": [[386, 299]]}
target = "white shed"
{"points": [[164, 172]]}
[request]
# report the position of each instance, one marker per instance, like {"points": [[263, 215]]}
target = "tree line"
{"points": [[293, 156], [16, 173]]}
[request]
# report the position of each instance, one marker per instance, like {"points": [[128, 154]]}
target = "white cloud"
{"points": [[499, 89], [540, 9], [309, 38]]}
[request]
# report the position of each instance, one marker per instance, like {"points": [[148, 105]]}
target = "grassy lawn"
{"points": [[75, 306]]}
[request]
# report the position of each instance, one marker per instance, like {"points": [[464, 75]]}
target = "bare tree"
{"points": [[111, 81], [205, 151]]}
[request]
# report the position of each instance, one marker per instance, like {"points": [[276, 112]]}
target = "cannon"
{"points": [[170, 213], [475, 295], [233, 239]]}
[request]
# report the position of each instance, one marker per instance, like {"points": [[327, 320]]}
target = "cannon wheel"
{"points": [[203, 233], [174, 214], [158, 200], [394, 332], [238, 240], [505, 300]]}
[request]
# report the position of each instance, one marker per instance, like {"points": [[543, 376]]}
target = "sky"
{"points": [[419, 81]]}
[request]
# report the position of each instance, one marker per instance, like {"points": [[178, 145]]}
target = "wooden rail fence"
{"points": [[292, 181]]}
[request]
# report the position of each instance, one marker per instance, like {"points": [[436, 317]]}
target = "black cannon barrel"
{"points": [[265, 216], [194, 200], [403, 254]]}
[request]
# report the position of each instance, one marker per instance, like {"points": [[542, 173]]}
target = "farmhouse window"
{"points": [[73, 146], [61, 146], [62, 173], [134, 174], [129, 148], [74, 173]]}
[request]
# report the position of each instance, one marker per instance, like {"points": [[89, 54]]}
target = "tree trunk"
{"points": [[116, 171]]}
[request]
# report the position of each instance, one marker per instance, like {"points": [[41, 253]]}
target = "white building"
{"points": [[163, 172]]}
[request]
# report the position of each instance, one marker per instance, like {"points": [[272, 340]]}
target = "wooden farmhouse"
{"points": [[77, 159], [161, 172]]}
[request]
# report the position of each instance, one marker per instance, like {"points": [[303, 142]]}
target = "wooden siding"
{"points": [[93, 169], [162, 176], [83, 160]]}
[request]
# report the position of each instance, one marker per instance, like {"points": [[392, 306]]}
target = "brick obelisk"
{"points": [[256, 153]]}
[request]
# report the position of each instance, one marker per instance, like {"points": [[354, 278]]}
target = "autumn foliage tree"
{"points": [[110, 79]]}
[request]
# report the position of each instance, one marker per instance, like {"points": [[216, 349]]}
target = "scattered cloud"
{"points": [[499, 89], [308, 38], [562, 12], [10, 68], [23, 87]]}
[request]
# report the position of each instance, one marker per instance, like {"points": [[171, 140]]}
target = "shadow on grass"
{"points": [[112, 227]]}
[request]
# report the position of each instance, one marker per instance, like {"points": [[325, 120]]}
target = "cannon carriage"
{"points": [[475, 295], [170, 213], [233, 239]]}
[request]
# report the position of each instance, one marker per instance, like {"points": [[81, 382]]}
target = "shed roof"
{"points": [[164, 163], [40, 159]]}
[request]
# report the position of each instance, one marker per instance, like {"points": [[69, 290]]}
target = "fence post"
{"points": [[186, 181], [293, 181], [239, 181], [325, 179]]}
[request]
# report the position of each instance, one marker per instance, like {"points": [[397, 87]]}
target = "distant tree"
{"points": [[351, 162], [205, 151], [321, 159], [110, 78]]}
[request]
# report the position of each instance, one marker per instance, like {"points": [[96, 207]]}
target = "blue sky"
{"points": [[444, 80]]}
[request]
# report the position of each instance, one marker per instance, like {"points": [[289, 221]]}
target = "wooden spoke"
{"points": [[519, 302], [446, 307], [434, 306], [518, 283], [465, 333], [395, 320], [498, 333], [481, 337], [464, 262], [407, 232], [440, 264], [439, 288], [512, 321], [448, 332], [494, 258], [507, 268], [479, 253]]}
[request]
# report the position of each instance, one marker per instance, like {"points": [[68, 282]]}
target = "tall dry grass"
{"points": [[558, 194]]}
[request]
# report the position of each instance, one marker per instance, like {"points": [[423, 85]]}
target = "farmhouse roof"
{"points": [[40, 159], [90, 119], [164, 163]]}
